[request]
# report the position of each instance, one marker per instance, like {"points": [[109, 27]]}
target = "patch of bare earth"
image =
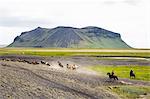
{"points": [[27, 81]]}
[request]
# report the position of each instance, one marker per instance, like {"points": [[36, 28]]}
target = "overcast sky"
{"points": [[130, 18]]}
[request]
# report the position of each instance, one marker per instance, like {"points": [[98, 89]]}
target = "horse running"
{"points": [[60, 64], [112, 76]]}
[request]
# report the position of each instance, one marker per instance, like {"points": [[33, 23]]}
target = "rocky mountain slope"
{"points": [[69, 37]]}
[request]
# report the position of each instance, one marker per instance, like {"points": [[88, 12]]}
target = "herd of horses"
{"points": [[27, 61], [71, 67], [68, 66]]}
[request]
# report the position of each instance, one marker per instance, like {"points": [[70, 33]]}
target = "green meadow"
{"points": [[127, 91], [75, 52], [141, 72]]}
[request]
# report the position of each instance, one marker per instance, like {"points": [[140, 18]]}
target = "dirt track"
{"points": [[83, 61], [20, 80]]}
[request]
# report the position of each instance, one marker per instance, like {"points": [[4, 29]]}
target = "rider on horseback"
{"points": [[112, 73]]}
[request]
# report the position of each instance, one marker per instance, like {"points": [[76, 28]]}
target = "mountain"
{"points": [[70, 37]]}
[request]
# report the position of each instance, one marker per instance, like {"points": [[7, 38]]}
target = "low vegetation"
{"points": [[130, 92], [127, 91], [74, 52]]}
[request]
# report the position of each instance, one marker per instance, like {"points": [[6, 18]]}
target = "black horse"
{"points": [[132, 74], [112, 76]]}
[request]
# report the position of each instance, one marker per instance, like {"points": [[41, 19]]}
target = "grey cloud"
{"points": [[11, 21]]}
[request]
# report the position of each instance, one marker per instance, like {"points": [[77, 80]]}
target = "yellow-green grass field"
{"points": [[141, 72], [75, 52], [127, 91]]}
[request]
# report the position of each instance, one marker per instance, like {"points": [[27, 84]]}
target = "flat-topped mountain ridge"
{"points": [[69, 37]]}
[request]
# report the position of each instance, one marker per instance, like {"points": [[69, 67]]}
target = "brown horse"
{"points": [[60, 64]]}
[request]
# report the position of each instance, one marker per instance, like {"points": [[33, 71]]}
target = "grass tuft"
{"points": [[131, 92]]}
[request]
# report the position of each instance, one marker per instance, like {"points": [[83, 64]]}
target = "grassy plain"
{"points": [[141, 72], [75, 52]]}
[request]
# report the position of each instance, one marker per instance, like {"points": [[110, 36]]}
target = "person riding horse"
{"points": [[132, 74], [111, 75]]}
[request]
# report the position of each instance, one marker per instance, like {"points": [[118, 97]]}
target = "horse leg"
{"points": [[116, 77]]}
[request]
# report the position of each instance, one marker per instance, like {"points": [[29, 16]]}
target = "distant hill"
{"points": [[70, 37]]}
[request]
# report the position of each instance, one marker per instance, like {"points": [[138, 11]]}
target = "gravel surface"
{"points": [[20, 80], [85, 61]]}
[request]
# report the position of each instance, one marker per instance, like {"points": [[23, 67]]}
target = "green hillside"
{"points": [[69, 37]]}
